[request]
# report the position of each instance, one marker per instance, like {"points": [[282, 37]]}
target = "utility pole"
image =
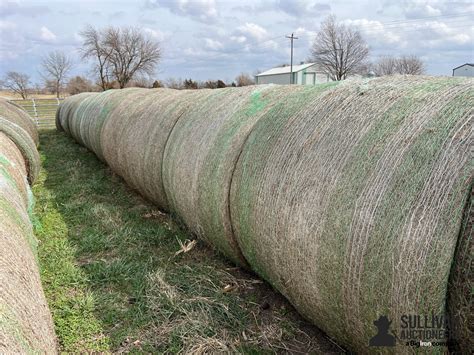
{"points": [[292, 37]]}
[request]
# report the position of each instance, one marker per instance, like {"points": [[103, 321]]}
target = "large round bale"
{"points": [[25, 322], [19, 117], [461, 287], [203, 149], [90, 114], [352, 205], [134, 137], [66, 110]]}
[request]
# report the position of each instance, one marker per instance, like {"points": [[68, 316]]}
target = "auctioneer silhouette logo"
{"points": [[382, 338]]}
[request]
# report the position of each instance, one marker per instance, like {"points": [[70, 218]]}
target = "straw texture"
{"points": [[348, 198], [19, 117], [352, 206], [25, 322]]}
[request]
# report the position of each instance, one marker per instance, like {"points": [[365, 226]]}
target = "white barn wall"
{"points": [[464, 70], [280, 79], [300, 78]]}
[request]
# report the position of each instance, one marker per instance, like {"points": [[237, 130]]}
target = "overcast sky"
{"points": [[218, 39]]}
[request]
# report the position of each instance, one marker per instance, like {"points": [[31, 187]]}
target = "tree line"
{"points": [[341, 51], [127, 56]]}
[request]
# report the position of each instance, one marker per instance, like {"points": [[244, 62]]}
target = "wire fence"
{"points": [[43, 111]]}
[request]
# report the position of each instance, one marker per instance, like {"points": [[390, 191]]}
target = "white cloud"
{"points": [[299, 8], [421, 8], [15, 7], [305, 34], [238, 39], [156, 34], [376, 33], [254, 31], [212, 44], [47, 35], [203, 10], [11, 42], [438, 34]]}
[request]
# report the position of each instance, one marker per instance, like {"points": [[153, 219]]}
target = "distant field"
{"points": [[10, 95], [42, 110]]}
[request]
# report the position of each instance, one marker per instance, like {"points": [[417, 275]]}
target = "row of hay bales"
{"points": [[347, 198], [25, 321]]}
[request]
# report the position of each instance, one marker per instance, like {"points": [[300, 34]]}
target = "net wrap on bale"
{"points": [[348, 198], [25, 322]]}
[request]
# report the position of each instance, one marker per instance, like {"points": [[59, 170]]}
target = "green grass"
{"points": [[114, 282]]}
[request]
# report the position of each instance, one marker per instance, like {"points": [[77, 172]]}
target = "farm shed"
{"points": [[464, 70], [303, 74]]}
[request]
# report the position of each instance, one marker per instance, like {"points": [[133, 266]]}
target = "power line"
{"points": [[397, 24]]}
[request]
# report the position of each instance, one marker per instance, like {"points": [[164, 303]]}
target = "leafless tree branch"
{"points": [[120, 53], [55, 68], [339, 50], [389, 65], [17, 82]]}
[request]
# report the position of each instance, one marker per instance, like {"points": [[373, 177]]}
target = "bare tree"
{"points": [[55, 68], [339, 50], [244, 79], [17, 82], [389, 65], [385, 65], [410, 64], [94, 47], [173, 83], [120, 53], [79, 84]]}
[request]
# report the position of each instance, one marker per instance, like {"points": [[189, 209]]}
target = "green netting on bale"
{"points": [[20, 117], [25, 322], [134, 139], [90, 115], [346, 197], [461, 287], [351, 206], [66, 110], [26, 145], [201, 155]]}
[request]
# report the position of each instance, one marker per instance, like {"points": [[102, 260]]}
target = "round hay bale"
{"points": [[201, 154], [20, 117], [25, 144], [461, 285], [352, 205], [66, 109], [25, 322], [90, 114], [348, 198], [134, 138]]}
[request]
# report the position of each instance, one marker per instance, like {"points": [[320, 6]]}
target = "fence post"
{"points": [[35, 111]]}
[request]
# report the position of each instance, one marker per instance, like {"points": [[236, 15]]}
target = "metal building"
{"points": [[464, 70], [303, 74]]}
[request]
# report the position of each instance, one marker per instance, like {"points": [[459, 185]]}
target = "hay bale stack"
{"points": [[86, 121], [25, 322], [149, 121], [18, 116], [66, 110], [202, 152], [352, 206], [348, 198]]}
